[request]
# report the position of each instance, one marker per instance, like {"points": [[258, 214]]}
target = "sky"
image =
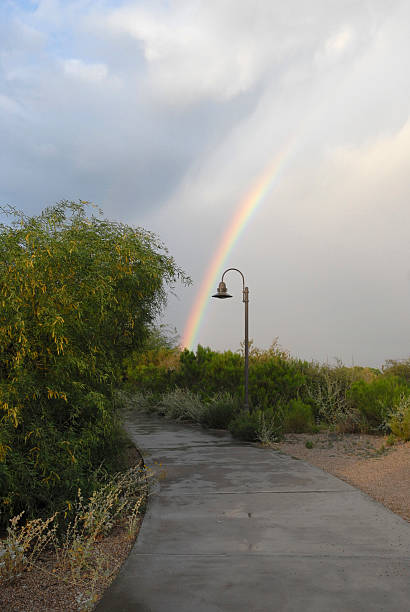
{"points": [[167, 114]]}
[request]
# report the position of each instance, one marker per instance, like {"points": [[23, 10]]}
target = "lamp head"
{"points": [[221, 292]]}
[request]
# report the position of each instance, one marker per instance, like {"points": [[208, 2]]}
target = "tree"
{"points": [[77, 293]]}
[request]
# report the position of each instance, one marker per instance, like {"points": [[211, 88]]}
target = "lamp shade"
{"points": [[221, 292]]}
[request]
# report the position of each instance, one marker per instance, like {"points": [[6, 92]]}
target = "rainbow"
{"points": [[241, 217]]}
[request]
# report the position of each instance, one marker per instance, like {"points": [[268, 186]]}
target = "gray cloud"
{"points": [[166, 114]]}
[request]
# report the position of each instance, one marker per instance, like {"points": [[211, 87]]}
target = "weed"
{"points": [[182, 405], [121, 498], [391, 440], [270, 425], [23, 544], [309, 444]]}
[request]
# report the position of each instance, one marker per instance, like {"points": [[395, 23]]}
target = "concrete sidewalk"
{"points": [[235, 527]]}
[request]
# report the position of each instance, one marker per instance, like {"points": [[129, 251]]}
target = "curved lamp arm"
{"points": [[236, 270]]}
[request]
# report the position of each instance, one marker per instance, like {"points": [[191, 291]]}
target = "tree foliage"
{"points": [[77, 294]]}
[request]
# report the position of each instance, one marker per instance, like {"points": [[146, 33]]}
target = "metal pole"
{"points": [[246, 300], [245, 293]]}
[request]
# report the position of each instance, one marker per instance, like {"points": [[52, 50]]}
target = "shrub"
{"points": [[208, 372], [220, 410], [400, 419], [182, 405], [270, 424], [265, 426], [136, 400], [23, 545], [78, 293], [398, 367], [274, 380], [245, 426], [121, 498], [298, 417], [327, 389], [376, 400]]}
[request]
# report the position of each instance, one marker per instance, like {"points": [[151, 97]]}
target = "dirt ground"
{"points": [[364, 461], [47, 587]]}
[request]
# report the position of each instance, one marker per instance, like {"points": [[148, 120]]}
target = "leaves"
{"points": [[78, 294]]}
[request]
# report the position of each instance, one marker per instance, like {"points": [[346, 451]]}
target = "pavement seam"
{"points": [[276, 555], [209, 493]]}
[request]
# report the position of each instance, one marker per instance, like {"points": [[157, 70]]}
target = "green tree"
{"points": [[77, 294]]}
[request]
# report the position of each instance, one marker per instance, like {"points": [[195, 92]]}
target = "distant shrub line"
{"points": [[286, 394]]}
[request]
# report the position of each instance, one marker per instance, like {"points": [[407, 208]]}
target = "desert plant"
{"points": [[78, 294], [328, 391], [398, 367], [182, 405], [23, 544], [129, 401], [245, 426], [376, 400], [399, 421], [298, 417], [270, 424], [120, 496], [219, 410]]}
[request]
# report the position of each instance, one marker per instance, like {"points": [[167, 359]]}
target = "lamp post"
{"points": [[222, 293]]}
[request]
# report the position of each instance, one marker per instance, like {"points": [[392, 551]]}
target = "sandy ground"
{"points": [[364, 461]]}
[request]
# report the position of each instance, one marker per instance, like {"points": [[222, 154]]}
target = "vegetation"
{"points": [[78, 293], [287, 394], [76, 558]]}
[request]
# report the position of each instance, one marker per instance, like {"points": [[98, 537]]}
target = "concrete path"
{"points": [[239, 528]]}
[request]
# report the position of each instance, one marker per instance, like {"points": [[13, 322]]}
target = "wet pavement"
{"points": [[235, 527]]}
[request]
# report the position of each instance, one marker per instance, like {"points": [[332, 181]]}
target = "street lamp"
{"points": [[222, 293]]}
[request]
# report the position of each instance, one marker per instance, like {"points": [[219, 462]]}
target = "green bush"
{"points": [[264, 426], [298, 417], [274, 380], [245, 426], [78, 293], [376, 400], [220, 410], [398, 367], [208, 372], [400, 419]]}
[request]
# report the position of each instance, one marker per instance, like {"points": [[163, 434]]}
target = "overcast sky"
{"points": [[166, 112]]}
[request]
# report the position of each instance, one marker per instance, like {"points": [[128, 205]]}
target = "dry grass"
{"points": [[47, 586], [70, 574]]}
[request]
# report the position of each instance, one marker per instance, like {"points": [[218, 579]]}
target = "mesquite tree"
{"points": [[77, 294]]}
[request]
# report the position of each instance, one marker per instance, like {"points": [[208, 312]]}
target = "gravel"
{"points": [[363, 461]]}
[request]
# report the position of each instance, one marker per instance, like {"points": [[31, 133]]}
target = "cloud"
{"points": [[10, 106], [166, 113], [203, 51], [85, 72]]}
